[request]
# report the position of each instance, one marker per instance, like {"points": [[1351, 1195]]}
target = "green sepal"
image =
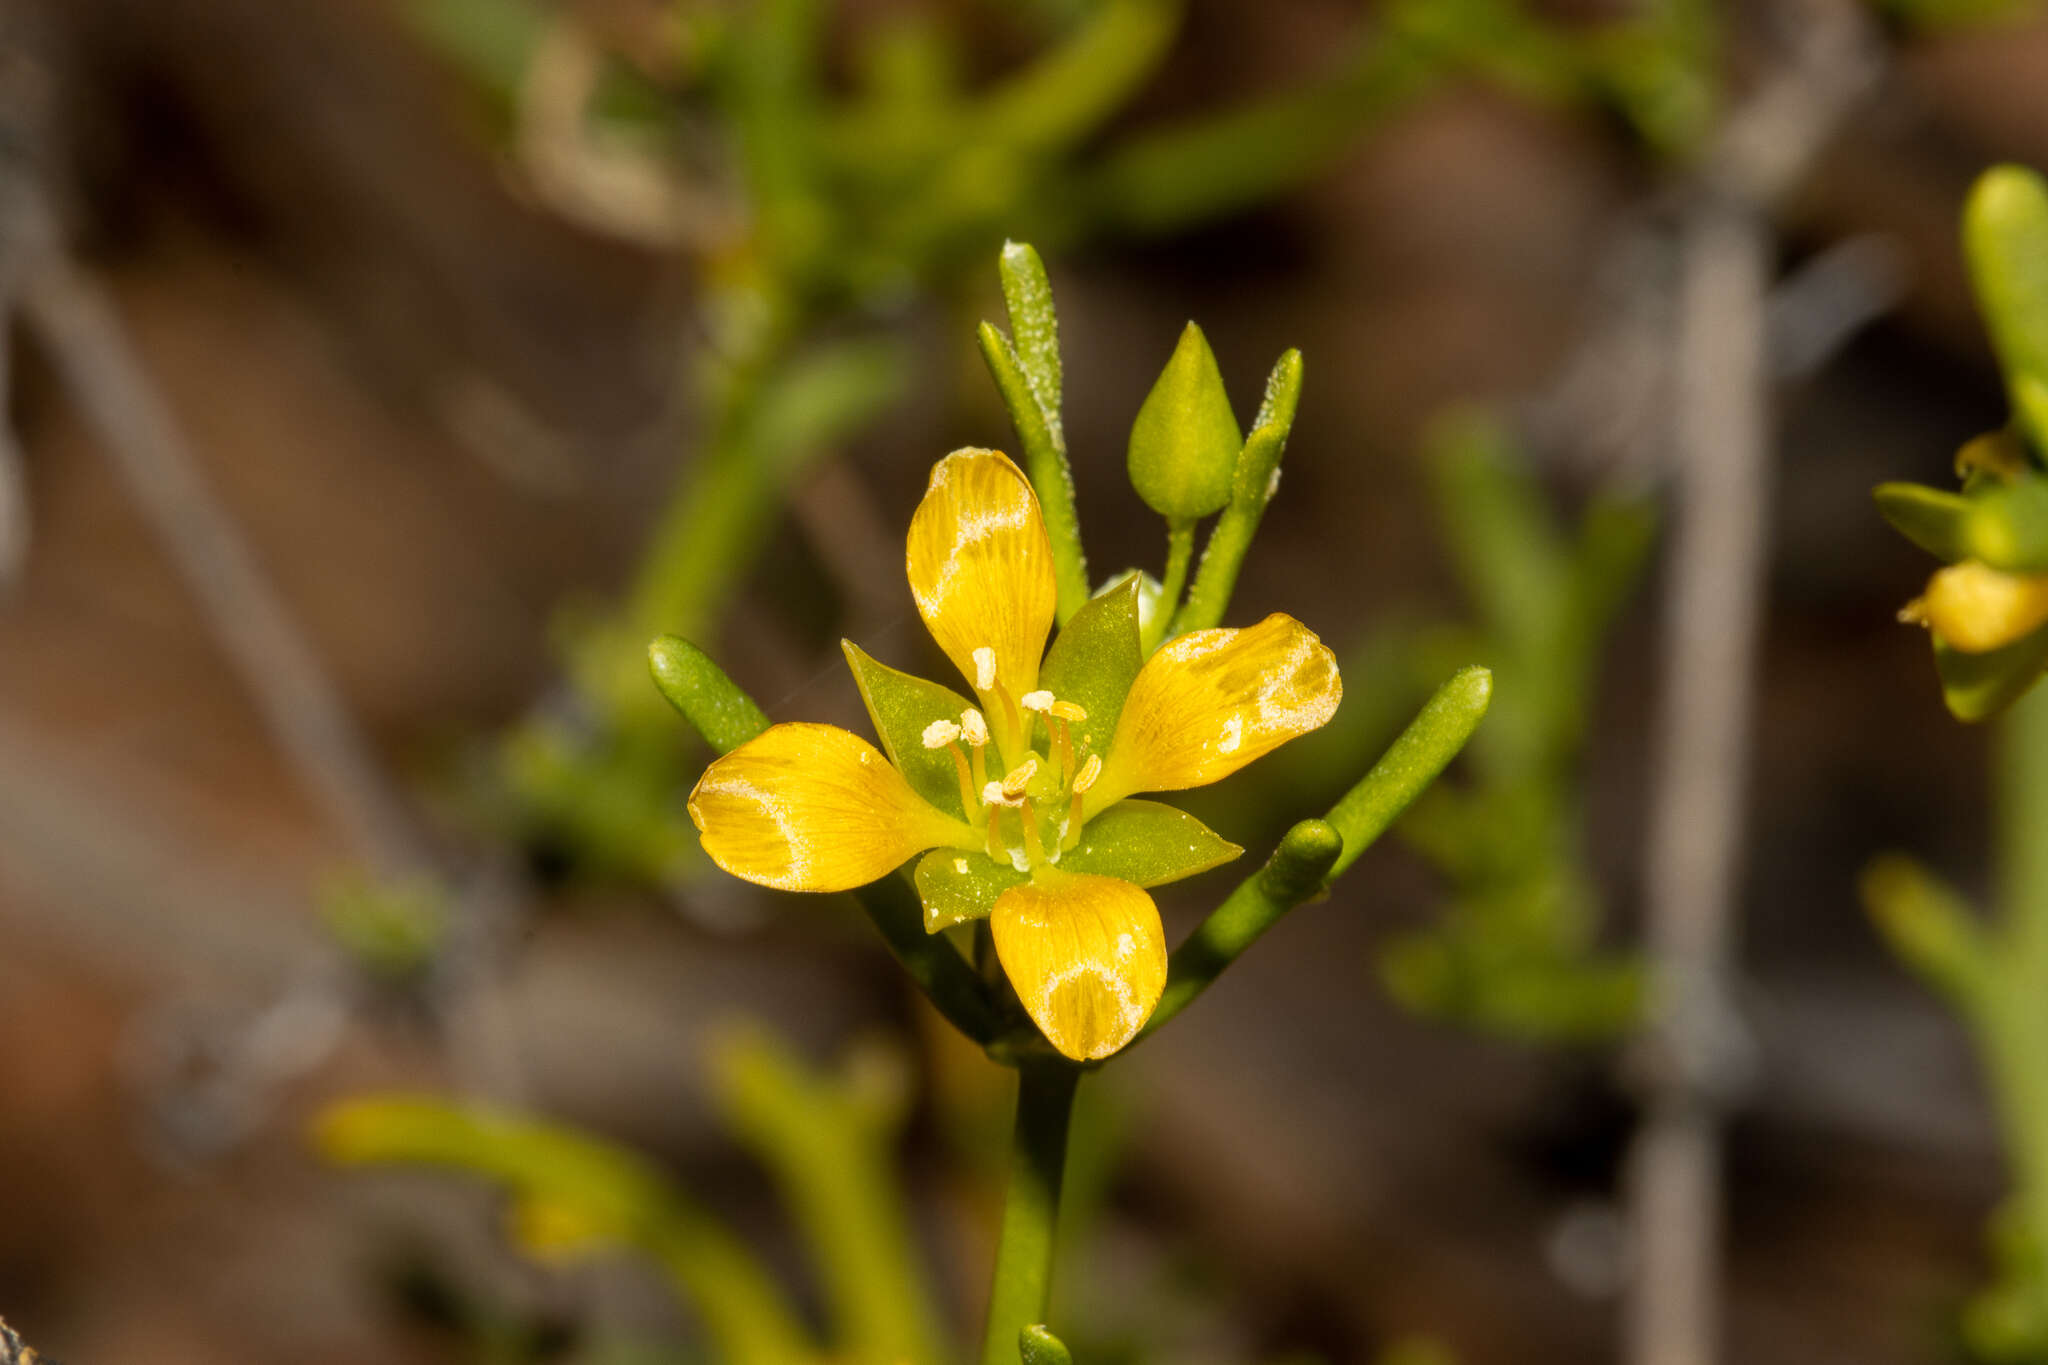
{"points": [[901, 706], [957, 886], [1093, 661], [2005, 237], [1931, 518], [2007, 525], [1184, 445], [699, 689], [1148, 844], [1979, 686]]}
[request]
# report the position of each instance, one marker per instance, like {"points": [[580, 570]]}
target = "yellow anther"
{"points": [[940, 733], [1090, 770], [1068, 711], [974, 727], [1040, 701], [984, 669], [1019, 777]]}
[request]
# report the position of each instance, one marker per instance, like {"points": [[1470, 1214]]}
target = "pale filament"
{"points": [[944, 734]]}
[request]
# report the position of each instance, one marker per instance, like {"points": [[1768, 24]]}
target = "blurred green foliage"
{"points": [[1993, 969], [1516, 952], [819, 209]]}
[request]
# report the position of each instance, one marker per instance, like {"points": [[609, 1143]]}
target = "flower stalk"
{"points": [[1022, 1288]]}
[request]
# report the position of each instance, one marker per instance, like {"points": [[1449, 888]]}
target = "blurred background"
{"points": [[384, 373]]}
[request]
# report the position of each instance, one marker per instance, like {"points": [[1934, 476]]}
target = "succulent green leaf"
{"points": [[1034, 326], [1184, 445], [901, 705], [956, 887], [697, 687], [1037, 1346], [1929, 924], [2006, 525], [1979, 686], [1147, 843], [1093, 661], [1931, 518], [1045, 458], [2005, 237]]}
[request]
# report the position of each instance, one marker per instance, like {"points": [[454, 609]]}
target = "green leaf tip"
{"points": [[698, 688], [1303, 861], [1185, 442], [1931, 518], [1037, 1346], [2005, 237]]}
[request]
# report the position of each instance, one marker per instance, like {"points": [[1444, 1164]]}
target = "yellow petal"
{"points": [[1087, 955], [1211, 701], [981, 567], [1977, 608], [814, 808]]}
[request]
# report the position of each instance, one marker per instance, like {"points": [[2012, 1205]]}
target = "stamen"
{"points": [[1069, 711], [1040, 701], [1063, 745], [1077, 814], [992, 797], [968, 805], [984, 669], [975, 729], [940, 733], [1019, 777], [1034, 851]]}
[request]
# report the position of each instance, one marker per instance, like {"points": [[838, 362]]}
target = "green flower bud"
{"points": [[2005, 236], [1184, 444]]}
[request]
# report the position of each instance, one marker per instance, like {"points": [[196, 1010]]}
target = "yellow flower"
{"points": [[1976, 608], [1021, 801]]}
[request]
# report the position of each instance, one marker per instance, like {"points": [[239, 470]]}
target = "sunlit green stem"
{"points": [[1253, 484], [1180, 552], [1038, 1158], [2014, 1011], [1315, 852]]}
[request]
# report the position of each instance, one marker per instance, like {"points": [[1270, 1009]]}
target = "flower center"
{"points": [[1034, 812]]}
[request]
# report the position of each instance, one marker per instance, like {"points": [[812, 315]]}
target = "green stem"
{"points": [[2014, 1020], [931, 959], [1180, 552], [1038, 1158]]}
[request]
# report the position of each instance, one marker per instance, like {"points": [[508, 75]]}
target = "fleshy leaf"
{"points": [[2005, 237], [901, 705], [1093, 662], [957, 886], [1147, 843], [1929, 517], [1979, 686]]}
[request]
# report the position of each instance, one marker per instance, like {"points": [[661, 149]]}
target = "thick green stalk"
{"points": [[2015, 1013], [1038, 1159], [1180, 551]]}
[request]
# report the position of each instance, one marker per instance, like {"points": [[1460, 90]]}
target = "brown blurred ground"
{"points": [[436, 413]]}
